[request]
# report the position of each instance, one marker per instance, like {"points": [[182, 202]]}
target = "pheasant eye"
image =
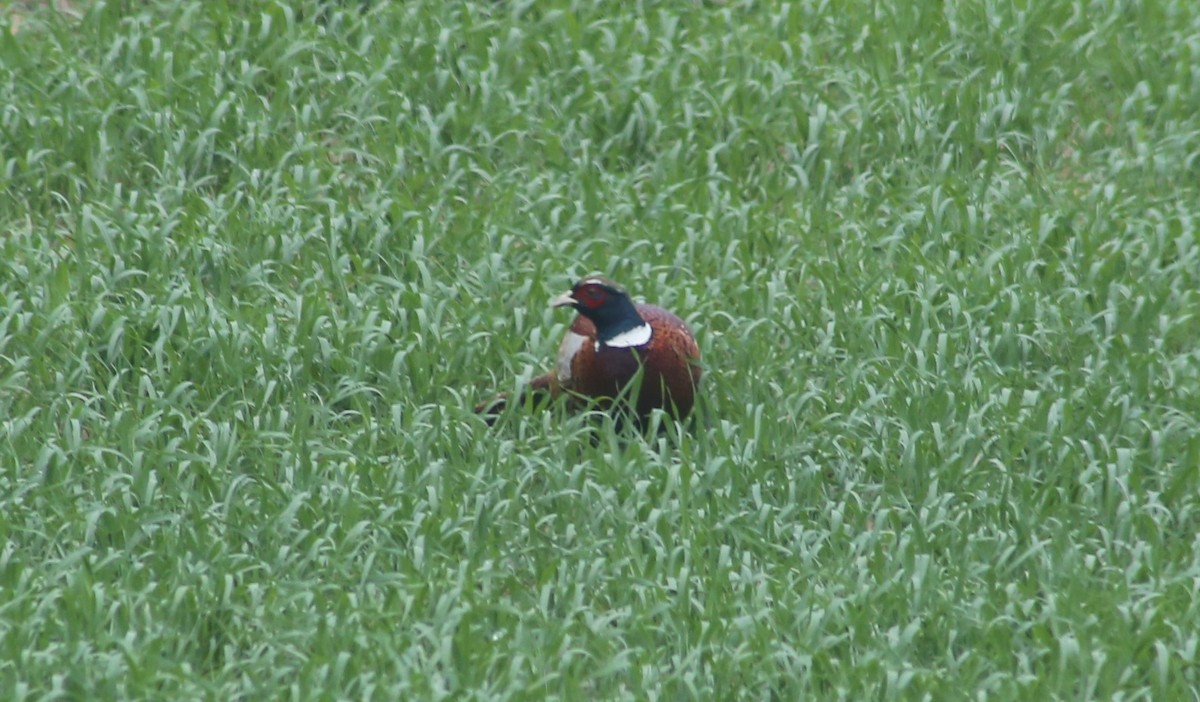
{"points": [[592, 295]]}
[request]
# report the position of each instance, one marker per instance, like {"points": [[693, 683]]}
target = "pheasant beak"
{"points": [[564, 300]]}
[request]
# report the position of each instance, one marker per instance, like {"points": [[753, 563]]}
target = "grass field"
{"points": [[257, 262]]}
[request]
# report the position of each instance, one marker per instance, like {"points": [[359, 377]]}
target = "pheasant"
{"points": [[608, 343]]}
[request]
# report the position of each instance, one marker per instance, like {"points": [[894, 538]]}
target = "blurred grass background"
{"points": [[257, 261]]}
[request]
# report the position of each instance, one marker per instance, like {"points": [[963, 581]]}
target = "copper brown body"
{"points": [[670, 361]]}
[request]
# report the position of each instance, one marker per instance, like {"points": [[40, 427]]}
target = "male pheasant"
{"points": [[608, 343]]}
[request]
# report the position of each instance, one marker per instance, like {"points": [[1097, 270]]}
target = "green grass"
{"points": [[257, 263]]}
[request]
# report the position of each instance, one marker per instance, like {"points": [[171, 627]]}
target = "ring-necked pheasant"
{"points": [[610, 340]]}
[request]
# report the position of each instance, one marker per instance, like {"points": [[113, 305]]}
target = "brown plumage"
{"points": [[610, 340]]}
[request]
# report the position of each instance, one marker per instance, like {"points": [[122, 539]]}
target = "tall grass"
{"points": [[258, 261]]}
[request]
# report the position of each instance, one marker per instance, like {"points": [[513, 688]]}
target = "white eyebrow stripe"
{"points": [[592, 281], [634, 337]]}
